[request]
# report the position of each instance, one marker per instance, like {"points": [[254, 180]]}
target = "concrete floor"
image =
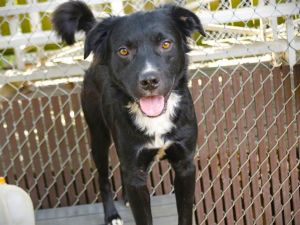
{"points": [[163, 210]]}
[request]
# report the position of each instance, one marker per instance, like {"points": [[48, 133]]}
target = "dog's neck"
{"points": [[155, 126]]}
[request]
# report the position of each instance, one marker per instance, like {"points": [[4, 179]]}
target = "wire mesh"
{"points": [[245, 83]]}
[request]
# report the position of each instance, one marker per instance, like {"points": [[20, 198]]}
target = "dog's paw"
{"points": [[127, 204], [116, 222]]}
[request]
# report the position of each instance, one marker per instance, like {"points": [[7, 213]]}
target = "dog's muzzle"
{"points": [[149, 81], [152, 104]]}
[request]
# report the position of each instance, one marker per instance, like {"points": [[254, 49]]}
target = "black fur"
{"points": [[115, 81], [71, 17], [186, 20], [96, 39]]}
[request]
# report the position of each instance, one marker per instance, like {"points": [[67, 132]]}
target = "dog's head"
{"points": [[145, 52]]}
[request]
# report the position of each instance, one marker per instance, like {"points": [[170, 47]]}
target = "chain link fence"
{"points": [[245, 83]]}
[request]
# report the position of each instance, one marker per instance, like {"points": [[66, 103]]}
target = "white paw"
{"points": [[127, 204], [117, 222]]}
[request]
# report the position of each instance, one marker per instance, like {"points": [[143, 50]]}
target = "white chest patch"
{"points": [[156, 126]]}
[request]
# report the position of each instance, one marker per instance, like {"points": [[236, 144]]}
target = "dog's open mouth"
{"points": [[152, 106]]}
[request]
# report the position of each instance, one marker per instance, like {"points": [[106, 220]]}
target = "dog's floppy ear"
{"points": [[70, 17], [97, 38], [187, 21]]}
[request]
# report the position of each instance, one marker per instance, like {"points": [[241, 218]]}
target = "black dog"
{"points": [[136, 91]]}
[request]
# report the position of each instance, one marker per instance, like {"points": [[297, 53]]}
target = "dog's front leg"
{"points": [[138, 195], [135, 173], [182, 162]]}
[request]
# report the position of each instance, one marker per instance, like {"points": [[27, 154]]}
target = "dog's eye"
{"points": [[123, 52], [166, 44]]}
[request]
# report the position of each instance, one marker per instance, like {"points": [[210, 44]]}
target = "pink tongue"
{"points": [[152, 105]]}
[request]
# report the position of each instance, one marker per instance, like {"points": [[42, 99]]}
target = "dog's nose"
{"points": [[149, 81]]}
